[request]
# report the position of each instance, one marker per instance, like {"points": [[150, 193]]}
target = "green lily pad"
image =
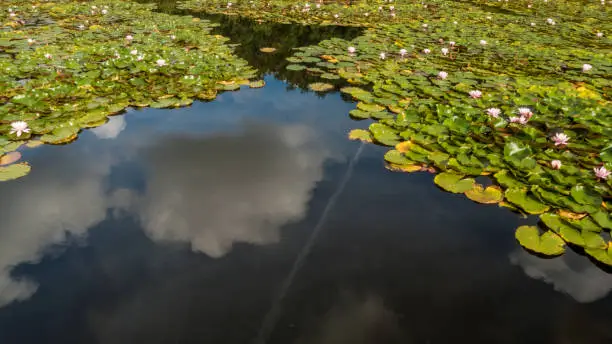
{"points": [[525, 201], [14, 171], [488, 195], [454, 183], [548, 243]]}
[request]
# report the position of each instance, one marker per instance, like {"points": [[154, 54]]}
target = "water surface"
{"points": [[252, 219]]}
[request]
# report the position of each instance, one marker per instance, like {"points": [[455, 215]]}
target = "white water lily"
{"points": [[19, 128], [382, 56], [550, 21], [403, 52], [104, 11], [556, 164], [352, 50], [442, 75], [599, 34], [426, 51], [173, 37], [533, 24], [134, 52], [586, 67], [392, 7], [81, 27], [444, 51], [129, 37], [48, 56], [475, 94], [425, 26], [161, 62], [30, 41], [483, 42], [336, 16]]}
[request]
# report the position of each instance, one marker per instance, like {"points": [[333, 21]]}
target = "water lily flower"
{"points": [[380, 8], [489, 17], [352, 50], [382, 56], [10, 9], [12, 14], [483, 42], [442, 75], [31, 41], [425, 26], [528, 5], [403, 52], [229, 4], [555, 164], [521, 119], [129, 37], [600, 173], [525, 112], [318, 6], [19, 128], [392, 14], [550, 21], [599, 34], [81, 27], [533, 24], [391, 7], [94, 7], [493, 112], [48, 56], [426, 51], [134, 52], [104, 11], [336, 16], [586, 67], [452, 43], [366, 14], [455, 22], [444, 51], [161, 62], [140, 58], [475, 94], [560, 139]]}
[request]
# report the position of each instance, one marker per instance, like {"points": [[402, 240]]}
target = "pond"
{"points": [[250, 217]]}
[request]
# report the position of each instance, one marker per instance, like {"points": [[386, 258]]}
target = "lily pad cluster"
{"points": [[67, 65], [518, 92]]}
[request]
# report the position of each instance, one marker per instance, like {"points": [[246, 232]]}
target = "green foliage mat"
{"points": [[67, 65], [518, 91]]}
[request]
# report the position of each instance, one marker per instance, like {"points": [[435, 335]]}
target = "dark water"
{"points": [[252, 219]]}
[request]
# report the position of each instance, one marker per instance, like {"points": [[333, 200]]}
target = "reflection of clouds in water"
{"points": [[356, 321], [110, 129], [67, 196], [223, 189], [571, 274]]}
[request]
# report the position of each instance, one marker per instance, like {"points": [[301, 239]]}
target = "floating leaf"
{"points": [[361, 135], [267, 50], [525, 201], [257, 84], [9, 158], [490, 195], [454, 183], [548, 243], [14, 171], [320, 87]]}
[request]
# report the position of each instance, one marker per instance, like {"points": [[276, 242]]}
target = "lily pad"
{"points": [[454, 183], [489, 195], [548, 243], [525, 201], [14, 171]]}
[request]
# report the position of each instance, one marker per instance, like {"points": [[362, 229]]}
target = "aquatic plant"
{"points": [[67, 65]]}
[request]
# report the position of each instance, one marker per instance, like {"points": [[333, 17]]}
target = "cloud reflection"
{"points": [[212, 192], [65, 197], [110, 129], [570, 274]]}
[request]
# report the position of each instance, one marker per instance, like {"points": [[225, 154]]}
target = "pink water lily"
{"points": [[560, 139], [442, 75], [351, 50], [493, 112], [525, 112], [601, 172], [426, 51], [452, 43], [520, 120], [403, 52], [599, 34], [555, 164], [19, 128], [475, 94]]}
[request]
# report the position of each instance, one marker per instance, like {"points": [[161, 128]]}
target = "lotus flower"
{"points": [[426, 51], [48, 56], [600, 173], [493, 112], [586, 67], [556, 164], [442, 75], [525, 112], [382, 56], [403, 52], [444, 51], [19, 127], [599, 34], [351, 50], [483, 42], [160, 62], [560, 139], [475, 94]]}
